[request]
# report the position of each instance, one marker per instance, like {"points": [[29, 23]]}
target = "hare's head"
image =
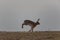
{"points": [[38, 22]]}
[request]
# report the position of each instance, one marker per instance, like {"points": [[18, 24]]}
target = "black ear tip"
{"points": [[38, 19]]}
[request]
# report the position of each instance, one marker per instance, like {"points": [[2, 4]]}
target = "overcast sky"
{"points": [[14, 12]]}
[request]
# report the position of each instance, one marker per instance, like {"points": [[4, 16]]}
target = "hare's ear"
{"points": [[38, 19]]}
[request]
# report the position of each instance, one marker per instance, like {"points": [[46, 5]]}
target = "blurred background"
{"points": [[14, 12]]}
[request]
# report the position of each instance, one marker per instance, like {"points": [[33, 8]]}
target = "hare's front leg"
{"points": [[31, 30]]}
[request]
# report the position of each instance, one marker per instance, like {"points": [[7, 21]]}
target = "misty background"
{"points": [[14, 12]]}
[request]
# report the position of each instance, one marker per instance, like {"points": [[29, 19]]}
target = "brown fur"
{"points": [[31, 23]]}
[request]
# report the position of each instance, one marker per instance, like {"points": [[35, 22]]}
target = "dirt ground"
{"points": [[45, 35]]}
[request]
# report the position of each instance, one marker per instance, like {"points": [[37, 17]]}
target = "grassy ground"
{"points": [[30, 35]]}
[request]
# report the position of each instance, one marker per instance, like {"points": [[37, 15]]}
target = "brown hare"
{"points": [[31, 23]]}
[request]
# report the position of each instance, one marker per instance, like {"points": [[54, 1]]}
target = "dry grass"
{"points": [[30, 35]]}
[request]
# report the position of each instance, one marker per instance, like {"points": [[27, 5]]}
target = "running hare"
{"points": [[31, 23]]}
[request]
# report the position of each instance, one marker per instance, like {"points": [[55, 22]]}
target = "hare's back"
{"points": [[28, 21]]}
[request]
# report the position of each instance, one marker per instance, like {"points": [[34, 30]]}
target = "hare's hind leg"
{"points": [[22, 25]]}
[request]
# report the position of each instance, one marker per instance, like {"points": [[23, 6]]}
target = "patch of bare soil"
{"points": [[54, 35]]}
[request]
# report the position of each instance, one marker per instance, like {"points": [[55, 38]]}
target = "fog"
{"points": [[14, 12]]}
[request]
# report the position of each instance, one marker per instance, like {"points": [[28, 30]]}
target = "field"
{"points": [[43, 35]]}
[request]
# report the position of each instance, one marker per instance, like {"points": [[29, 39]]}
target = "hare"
{"points": [[31, 23]]}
